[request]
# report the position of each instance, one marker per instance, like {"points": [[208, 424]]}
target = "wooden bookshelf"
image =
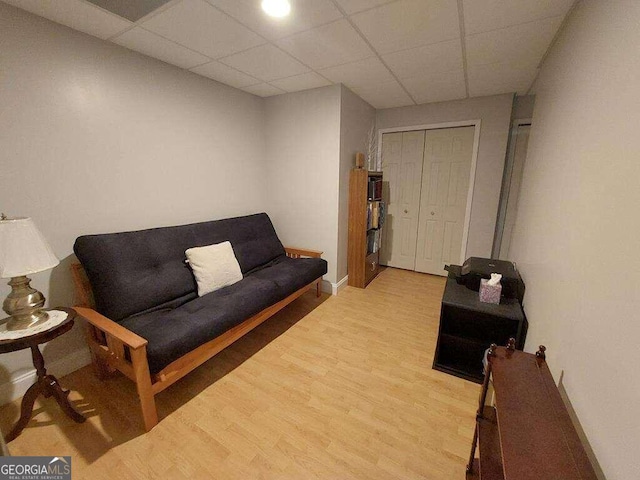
{"points": [[363, 261]]}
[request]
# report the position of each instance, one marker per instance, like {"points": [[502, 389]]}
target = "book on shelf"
{"points": [[374, 238], [375, 217], [372, 220], [376, 210], [374, 189]]}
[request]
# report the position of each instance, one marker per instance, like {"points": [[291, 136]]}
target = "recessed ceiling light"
{"points": [[276, 8]]}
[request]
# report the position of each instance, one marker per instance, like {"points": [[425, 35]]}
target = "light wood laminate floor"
{"points": [[333, 388]]}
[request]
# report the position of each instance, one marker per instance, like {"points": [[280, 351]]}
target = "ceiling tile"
{"points": [[486, 15], [301, 82], [132, 10], [263, 90], [76, 14], [305, 14], [409, 23], [155, 46], [203, 28], [438, 57], [266, 62], [437, 86], [362, 74], [227, 75], [384, 95], [353, 6], [328, 45], [500, 78], [525, 43]]}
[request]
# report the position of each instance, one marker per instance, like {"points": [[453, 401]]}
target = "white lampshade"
{"points": [[23, 249]]}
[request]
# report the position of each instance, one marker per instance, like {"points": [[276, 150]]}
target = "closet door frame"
{"points": [[472, 172]]}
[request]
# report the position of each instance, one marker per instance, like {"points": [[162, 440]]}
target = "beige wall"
{"points": [[311, 139], [303, 154], [356, 119], [96, 138], [577, 230], [495, 113]]}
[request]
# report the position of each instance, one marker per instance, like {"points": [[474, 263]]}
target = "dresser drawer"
{"points": [[371, 267]]}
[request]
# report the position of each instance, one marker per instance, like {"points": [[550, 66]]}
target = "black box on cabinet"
{"points": [[475, 268]]}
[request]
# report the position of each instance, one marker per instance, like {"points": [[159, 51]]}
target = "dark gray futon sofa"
{"points": [[146, 318]]}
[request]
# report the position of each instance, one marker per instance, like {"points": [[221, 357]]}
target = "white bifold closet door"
{"points": [[443, 199], [402, 155], [434, 236]]}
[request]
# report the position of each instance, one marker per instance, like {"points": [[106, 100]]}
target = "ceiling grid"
{"points": [[390, 53], [464, 48]]}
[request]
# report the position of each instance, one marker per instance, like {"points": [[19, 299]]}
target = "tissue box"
{"points": [[489, 293]]}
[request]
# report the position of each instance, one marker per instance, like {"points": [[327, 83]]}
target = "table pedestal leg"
{"points": [[26, 408], [62, 397], [48, 386]]}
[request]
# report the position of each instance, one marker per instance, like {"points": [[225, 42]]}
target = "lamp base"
{"points": [[24, 304], [22, 322]]}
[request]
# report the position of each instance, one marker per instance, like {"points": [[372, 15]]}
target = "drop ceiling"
{"points": [[391, 53]]}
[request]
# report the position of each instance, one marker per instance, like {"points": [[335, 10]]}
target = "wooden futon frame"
{"points": [[110, 342]]}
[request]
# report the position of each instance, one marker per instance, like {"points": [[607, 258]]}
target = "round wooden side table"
{"points": [[45, 384]]}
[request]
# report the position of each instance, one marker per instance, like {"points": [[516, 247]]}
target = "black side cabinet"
{"points": [[468, 327]]}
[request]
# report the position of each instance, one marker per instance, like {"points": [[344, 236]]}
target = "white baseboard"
{"points": [[337, 287], [17, 386], [334, 288]]}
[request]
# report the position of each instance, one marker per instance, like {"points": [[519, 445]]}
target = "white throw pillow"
{"points": [[214, 266]]}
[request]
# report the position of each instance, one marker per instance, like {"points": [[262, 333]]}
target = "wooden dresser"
{"points": [[528, 434]]}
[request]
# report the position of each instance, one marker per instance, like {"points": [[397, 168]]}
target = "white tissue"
{"points": [[495, 279]]}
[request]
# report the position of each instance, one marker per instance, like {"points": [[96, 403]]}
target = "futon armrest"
{"points": [[112, 328], [301, 252]]}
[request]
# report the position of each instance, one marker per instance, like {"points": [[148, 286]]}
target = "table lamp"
{"points": [[23, 251]]}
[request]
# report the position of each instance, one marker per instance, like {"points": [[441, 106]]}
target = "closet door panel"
{"points": [[402, 159], [445, 187]]}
